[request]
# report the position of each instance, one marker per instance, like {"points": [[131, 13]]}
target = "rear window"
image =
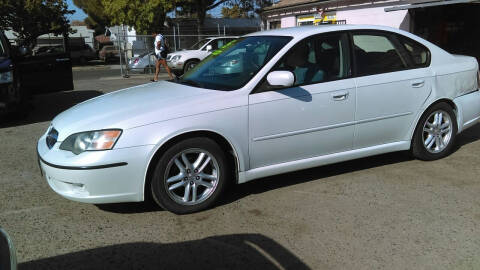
{"points": [[419, 54]]}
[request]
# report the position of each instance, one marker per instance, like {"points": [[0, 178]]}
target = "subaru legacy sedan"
{"points": [[267, 103]]}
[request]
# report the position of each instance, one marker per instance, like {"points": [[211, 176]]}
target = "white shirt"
{"points": [[158, 38]]}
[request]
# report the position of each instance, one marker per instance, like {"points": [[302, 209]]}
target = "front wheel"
{"points": [[435, 133], [190, 176], [189, 65]]}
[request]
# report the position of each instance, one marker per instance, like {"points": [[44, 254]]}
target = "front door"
{"points": [[314, 117]]}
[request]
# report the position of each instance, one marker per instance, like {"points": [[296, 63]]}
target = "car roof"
{"points": [[304, 31], [222, 37]]}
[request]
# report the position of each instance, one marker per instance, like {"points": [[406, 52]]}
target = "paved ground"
{"points": [[384, 212]]}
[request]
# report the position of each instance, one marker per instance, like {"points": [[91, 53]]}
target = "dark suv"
{"points": [[22, 74]]}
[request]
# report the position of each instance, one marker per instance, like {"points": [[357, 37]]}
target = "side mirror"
{"points": [[281, 78], [8, 257], [209, 48]]}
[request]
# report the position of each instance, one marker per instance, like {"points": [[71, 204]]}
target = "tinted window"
{"points": [[376, 53], [419, 54], [318, 59], [232, 66]]}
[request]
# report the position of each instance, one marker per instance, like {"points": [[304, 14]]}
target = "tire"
{"points": [[435, 134], [189, 65], [173, 176], [149, 69]]}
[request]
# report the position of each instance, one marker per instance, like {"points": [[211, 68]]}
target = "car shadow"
{"points": [[130, 207], [236, 251], [44, 107]]}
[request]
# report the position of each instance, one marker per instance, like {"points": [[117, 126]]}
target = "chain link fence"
{"points": [[135, 53]]}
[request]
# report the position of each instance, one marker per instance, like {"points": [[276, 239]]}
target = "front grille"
{"points": [[52, 137]]}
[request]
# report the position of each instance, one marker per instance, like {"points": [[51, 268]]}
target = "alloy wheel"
{"points": [[191, 176], [437, 131]]}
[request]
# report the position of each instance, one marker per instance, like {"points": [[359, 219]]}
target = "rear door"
{"points": [[391, 88], [47, 72]]}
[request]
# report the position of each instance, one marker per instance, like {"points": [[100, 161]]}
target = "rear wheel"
{"points": [[149, 69], [190, 176], [435, 133]]}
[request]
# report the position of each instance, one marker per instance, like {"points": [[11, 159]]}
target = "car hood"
{"points": [[133, 107], [184, 52]]}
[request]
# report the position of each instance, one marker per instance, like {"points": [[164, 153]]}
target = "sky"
{"points": [[80, 15]]}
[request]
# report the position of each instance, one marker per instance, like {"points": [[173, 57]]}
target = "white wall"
{"points": [[87, 34], [377, 16], [288, 22]]}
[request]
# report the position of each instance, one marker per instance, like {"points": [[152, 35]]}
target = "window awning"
{"points": [[429, 4]]}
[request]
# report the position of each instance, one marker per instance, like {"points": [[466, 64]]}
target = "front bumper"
{"points": [[111, 176], [177, 65]]}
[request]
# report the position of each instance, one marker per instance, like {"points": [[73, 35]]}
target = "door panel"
{"points": [[387, 105], [313, 117], [390, 90], [301, 122], [47, 73]]}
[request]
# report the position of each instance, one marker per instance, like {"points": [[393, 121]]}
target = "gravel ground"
{"points": [[383, 212]]}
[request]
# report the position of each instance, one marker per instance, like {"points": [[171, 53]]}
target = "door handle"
{"points": [[339, 96], [62, 59], [418, 84]]}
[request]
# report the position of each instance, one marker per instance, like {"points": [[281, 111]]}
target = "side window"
{"points": [[375, 54], [318, 59], [419, 54]]}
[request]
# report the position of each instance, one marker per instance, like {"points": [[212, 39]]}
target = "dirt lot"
{"points": [[384, 212]]}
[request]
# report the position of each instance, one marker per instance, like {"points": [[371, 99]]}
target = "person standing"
{"points": [[160, 55]]}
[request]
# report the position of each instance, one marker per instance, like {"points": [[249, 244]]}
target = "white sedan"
{"points": [[268, 103]]}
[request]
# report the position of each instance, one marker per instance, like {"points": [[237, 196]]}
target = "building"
{"points": [[451, 24]]}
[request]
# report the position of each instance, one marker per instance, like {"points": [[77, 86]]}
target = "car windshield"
{"points": [[199, 45], [233, 65]]}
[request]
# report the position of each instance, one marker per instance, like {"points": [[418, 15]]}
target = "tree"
{"points": [[32, 18], [97, 18], [233, 12], [147, 16]]}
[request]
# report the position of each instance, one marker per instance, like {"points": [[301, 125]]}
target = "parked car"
{"points": [[22, 74], [182, 61], [143, 63], [108, 52], [82, 53], [301, 97], [79, 53]]}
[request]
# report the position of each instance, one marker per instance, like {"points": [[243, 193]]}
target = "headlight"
{"points": [[91, 141], [176, 58], [6, 77]]}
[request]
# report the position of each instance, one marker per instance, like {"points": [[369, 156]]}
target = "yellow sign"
{"points": [[327, 18]]}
